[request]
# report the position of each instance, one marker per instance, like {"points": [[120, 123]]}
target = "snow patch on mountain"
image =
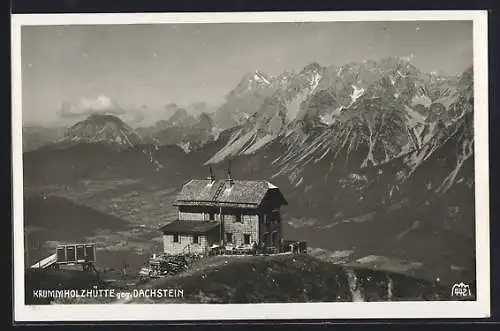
{"points": [[293, 105], [258, 143], [186, 146], [233, 146], [215, 132], [356, 93], [327, 119], [259, 77], [315, 79], [413, 117]]}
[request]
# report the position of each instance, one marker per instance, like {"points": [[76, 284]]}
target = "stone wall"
{"points": [[262, 226], [185, 244], [246, 225]]}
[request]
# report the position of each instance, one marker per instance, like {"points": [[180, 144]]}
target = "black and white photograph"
{"points": [[303, 165]]}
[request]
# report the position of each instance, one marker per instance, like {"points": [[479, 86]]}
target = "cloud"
{"points": [[171, 108], [84, 107], [138, 118], [135, 116], [408, 58]]}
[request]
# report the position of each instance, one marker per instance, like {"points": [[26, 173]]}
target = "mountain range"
{"points": [[372, 156]]}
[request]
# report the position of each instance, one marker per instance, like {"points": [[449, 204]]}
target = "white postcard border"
{"points": [[185, 312]]}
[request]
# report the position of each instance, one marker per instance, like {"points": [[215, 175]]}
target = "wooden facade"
{"points": [[175, 243], [242, 212]]}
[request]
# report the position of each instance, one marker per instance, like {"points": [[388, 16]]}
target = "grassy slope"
{"points": [[289, 279], [272, 279]]}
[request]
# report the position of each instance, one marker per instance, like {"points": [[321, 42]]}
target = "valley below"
{"points": [[123, 218]]}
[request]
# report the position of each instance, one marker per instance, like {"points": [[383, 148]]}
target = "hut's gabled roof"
{"points": [[241, 193]]}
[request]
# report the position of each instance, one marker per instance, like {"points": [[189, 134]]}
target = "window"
{"points": [[238, 218], [80, 252], [229, 237], [61, 254], [265, 238], [212, 216], [71, 253], [274, 238], [176, 238], [195, 239], [247, 239]]}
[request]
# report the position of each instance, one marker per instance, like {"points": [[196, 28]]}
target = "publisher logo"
{"points": [[461, 290]]}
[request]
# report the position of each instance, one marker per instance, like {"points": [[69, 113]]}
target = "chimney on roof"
{"points": [[229, 178], [212, 177]]}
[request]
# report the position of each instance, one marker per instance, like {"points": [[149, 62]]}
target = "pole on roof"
{"points": [[229, 172], [221, 225], [212, 177]]}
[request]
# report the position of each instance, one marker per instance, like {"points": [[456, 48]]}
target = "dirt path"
{"points": [[352, 279]]}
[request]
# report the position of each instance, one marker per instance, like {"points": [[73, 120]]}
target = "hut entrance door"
{"points": [[274, 238], [266, 238]]}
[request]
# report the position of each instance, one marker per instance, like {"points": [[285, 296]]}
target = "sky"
{"points": [[69, 72]]}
